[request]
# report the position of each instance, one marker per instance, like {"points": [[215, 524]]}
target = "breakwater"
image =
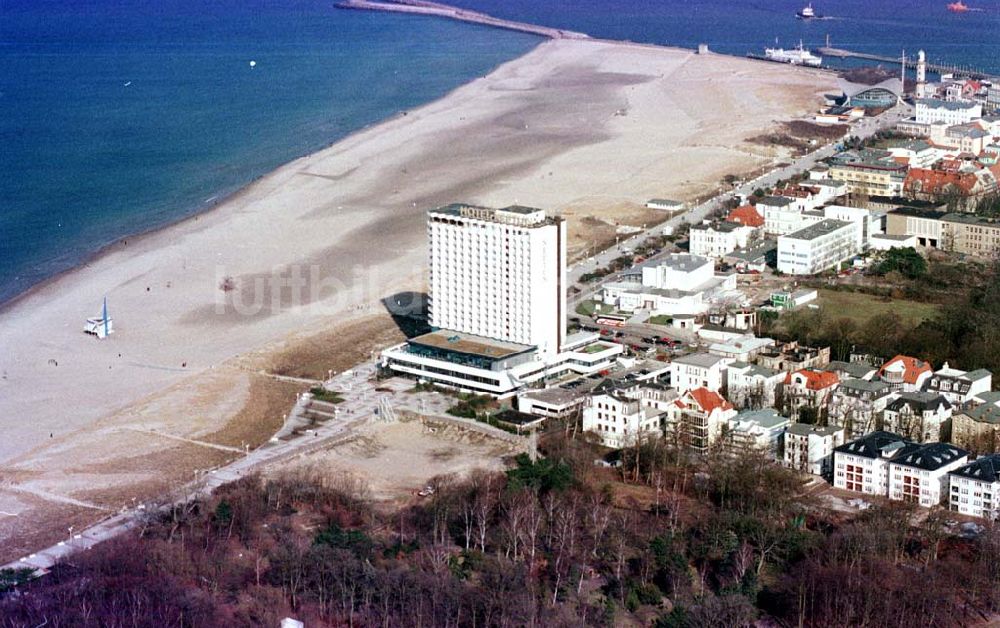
{"points": [[419, 7]]}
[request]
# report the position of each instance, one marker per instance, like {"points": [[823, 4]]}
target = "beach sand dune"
{"points": [[593, 128]]}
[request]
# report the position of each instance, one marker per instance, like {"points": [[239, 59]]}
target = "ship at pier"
{"points": [[795, 56]]}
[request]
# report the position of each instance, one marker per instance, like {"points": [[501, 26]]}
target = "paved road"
{"points": [[864, 129]]}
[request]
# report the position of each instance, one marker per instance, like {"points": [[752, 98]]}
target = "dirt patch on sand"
{"points": [[398, 459]]}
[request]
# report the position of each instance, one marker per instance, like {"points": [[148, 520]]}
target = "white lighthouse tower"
{"points": [[921, 75]]}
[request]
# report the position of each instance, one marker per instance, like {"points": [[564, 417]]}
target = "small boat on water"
{"points": [[808, 13], [958, 7], [795, 56]]}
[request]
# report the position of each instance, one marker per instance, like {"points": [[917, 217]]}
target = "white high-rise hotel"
{"points": [[499, 273], [497, 305]]}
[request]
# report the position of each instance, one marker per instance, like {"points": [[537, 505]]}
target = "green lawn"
{"points": [[661, 319], [860, 307], [586, 308]]}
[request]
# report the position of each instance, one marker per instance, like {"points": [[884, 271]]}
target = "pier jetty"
{"points": [[938, 68], [419, 7]]}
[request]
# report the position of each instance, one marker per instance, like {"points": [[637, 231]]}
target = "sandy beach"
{"points": [[205, 309]]}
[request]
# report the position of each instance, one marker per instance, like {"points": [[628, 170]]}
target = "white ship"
{"points": [[795, 56]]}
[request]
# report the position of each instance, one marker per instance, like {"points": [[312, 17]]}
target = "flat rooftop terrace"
{"points": [[467, 344]]}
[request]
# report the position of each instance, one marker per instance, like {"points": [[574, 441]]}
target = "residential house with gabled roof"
{"points": [[807, 388], [904, 373], [862, 465], [975, 488], [921, 476], [919, 416], [697, 418], [618, 417], [746, 215], [958, 386], [856, 405]]}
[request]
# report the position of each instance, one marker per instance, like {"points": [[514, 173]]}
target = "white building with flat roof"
{"points": [[678, 284], [819, 247]]}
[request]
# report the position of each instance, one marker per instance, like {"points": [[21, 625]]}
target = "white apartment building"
{"points": [[620, 420], [752, 386], [917, 416], [499, 273], [819, 247], [975, 488], [921, 476], [718, 239], [782, 215], [698, 370], [809, 448], [862, 465], [932, 110]]}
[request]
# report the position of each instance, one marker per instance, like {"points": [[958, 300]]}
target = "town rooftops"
{"points": [[922, 401], [985, 469], [851, 369], [867, 158], [937, 103], [804, 429], [556, 396], [931, 456], [702, 360], [986, 413], [862, 386], [460, 342], [746, 215], [814, 380], [723, 226], [818, 230], [684, 262], [970, 219], [767, 417], [917, 212], [879, 444], [706, 399], [776, 201], [754, 370]]}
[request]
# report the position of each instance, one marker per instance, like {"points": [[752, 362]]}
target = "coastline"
{"points": [[537, 130]]}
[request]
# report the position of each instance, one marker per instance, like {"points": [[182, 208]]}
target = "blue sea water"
{"points": [[117, 116], [884, 27]]}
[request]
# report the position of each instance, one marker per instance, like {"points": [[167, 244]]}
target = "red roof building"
{"points": [[746, 215], [905, 372]]}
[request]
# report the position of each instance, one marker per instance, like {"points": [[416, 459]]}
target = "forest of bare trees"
{"points": [[664, 540]]}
